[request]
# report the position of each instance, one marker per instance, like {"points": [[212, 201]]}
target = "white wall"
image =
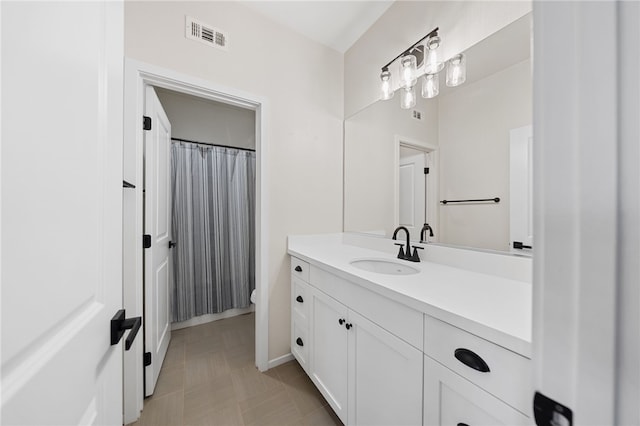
{"points": [[461, 23], [200, 120], [369, 154], [474, 124], [303, 84]]}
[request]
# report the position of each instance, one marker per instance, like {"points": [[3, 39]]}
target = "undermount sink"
{"points": [[383, 266]]}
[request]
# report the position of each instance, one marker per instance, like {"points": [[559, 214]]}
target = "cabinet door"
{"points": [[385, 376], [451, 400], [328, 344]]}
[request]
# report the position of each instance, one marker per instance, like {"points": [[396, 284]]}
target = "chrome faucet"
{"points": [[425, 228], [405, 254]]}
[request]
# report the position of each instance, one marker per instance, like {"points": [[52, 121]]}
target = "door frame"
{"points": [[585, 275], [432, 187], [138, 75]]}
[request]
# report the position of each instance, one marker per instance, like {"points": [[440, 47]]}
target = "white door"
{"points": [[157, 224], [521, 188], [586, 306], [61, 212], [412, 193], [329, 351], [385, 376]]}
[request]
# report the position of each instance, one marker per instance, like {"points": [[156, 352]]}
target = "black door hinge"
{"points": [[146, 241], [426, 170], [147, 359], [146, 123]]}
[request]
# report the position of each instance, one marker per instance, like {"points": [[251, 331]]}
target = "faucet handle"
{"points": [[415, 257], [401, 254]]}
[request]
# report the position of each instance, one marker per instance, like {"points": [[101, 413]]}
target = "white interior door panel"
{"points": [[157, 218], [62, 83]]}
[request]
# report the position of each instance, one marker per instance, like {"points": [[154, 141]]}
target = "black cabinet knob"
{"points": [[299, 299], [340, 321], [298, 268], [348, 326], [299, 342]]}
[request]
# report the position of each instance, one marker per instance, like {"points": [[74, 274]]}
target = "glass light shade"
{"points": [[408, 98], [408, 71], [430, 86], [433, 64], [386, 88], [457, 70]]}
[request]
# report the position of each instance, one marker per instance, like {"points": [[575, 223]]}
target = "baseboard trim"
{"points": [[280, 360], [203, 319]]}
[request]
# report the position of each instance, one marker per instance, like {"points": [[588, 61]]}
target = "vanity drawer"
{"points": [[509, 376], [300, 269], [449, 399], [300, 343], [300, 300]]}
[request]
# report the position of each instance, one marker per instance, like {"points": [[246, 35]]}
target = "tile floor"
{"points": [[209, 378]]}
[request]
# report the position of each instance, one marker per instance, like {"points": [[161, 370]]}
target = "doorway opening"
{"points": [[140, 78], [416, 187]]}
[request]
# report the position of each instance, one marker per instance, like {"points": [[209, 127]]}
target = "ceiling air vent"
{"points": [[205, 33]]}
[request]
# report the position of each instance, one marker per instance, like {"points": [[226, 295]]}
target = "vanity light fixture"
{"points": [[456, 70], [426, 58], [408, 68]]}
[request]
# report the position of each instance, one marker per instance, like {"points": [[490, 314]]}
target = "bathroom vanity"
{"points": [[443, 341]]}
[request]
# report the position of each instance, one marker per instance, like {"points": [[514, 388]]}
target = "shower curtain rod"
{"points": [[213, 144]]}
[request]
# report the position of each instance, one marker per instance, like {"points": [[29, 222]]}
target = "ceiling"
{"points": [[336, 24]]}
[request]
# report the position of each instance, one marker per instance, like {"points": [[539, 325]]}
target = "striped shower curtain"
{"points": [[213, 223]]}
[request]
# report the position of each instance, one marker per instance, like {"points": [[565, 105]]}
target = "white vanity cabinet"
{"points": [[378, 361], [368, 375]]}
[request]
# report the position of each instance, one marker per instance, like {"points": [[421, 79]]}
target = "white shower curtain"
{"points": [[213, 225]]}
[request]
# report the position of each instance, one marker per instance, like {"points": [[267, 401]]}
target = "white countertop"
{"points": [[492, 307]]}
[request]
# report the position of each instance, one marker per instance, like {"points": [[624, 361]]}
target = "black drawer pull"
{"points": [[471, 359], [299, 299], [348, 325], [340, 321], [298, 268], [299, 342], [462, 424]]}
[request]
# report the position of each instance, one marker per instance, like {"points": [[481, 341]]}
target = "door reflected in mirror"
{"points": [[474, 141]]}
